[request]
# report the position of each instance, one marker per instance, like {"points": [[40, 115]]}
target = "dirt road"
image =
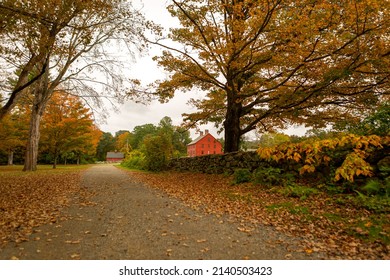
{"points": [[129, 220]]}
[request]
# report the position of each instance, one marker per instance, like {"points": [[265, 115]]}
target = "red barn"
{"points": [[205, 144], [114, 157]]}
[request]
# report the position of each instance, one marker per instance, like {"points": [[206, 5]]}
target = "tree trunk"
{"points": [[30, 163], [10, 157], [41, 97], [232, 126], [55, 161]]}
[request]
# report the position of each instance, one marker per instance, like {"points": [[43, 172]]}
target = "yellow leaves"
{"points": [[245, 229], [307, 168], [326, 158], [313, 154], [353, 165], [265, 153], [297, 157]]}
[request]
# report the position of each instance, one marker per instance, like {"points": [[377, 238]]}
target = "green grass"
{"points": [[290, 207], [371, 229], [297, 191], [138, 170], [17, 170], [235, 196], [333, 217]]}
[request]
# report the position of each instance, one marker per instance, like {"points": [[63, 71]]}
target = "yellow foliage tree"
{"points": [[267, 64]]}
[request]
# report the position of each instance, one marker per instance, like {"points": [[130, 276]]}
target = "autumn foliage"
{"points": [[68, 127], [67, 132], [265, 65], [348, 154]]}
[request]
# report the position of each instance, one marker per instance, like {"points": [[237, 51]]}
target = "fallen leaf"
{"points": [[72, 241], [309, 251], [201, 240], [75, 256]]}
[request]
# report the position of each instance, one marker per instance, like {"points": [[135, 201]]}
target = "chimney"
{"points": [[206, 131], [201, 133]]}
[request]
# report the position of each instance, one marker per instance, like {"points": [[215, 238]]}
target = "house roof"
{"points": [[115, 155], [200, 138]]}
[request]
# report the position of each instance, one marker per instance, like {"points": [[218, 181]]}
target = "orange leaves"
{"points": [[322, 224], [29, 200], [67, 126], [297, 157]]}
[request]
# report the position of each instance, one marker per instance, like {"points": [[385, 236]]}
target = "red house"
{"points": [[205, 144]]}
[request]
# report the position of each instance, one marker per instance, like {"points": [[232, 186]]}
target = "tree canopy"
{"points": [[52, 43], [46, 35], [268, 64], [67, 127]]}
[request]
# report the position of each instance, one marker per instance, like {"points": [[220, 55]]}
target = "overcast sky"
{"points": [[130, 114]]}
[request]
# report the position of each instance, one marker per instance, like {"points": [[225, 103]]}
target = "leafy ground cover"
{"points": [[336, 224], [28, 200]]}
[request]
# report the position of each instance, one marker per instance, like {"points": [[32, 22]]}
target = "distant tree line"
{"points": [[150, 147], [67, 133]]}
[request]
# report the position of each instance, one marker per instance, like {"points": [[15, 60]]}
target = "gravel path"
{"points": [[130, 220]]}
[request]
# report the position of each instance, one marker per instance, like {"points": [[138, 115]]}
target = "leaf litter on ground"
{"points": [[28, 200], [310, 219]]}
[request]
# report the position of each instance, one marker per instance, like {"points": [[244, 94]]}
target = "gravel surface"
{"points": [[129, 220]]}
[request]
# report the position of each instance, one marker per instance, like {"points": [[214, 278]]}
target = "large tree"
{"points": [[46, 38], [268, 64], [67, 126]]}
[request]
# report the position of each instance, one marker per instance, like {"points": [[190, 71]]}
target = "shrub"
{"points": [[375, 187], [157, 150], [242, 176], [372, 188], [378, 204], [269, 177], [349, 154], [301, 192], [134, 160]]}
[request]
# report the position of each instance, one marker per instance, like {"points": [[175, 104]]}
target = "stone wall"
{"points": [[227, 163], [218, 164]]}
